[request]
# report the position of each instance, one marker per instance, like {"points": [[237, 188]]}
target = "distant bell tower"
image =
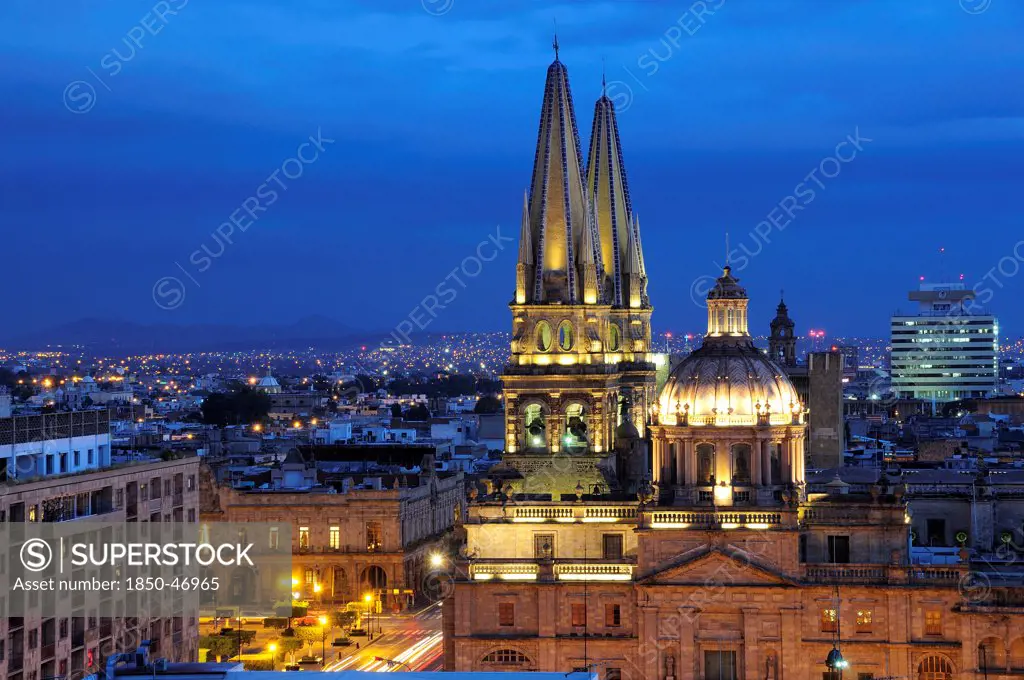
{"points": [[581, 338], [782, 342]]}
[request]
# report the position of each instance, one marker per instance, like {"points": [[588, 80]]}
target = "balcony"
{"points": [[725, 520], [846, 573], [566, 570]]}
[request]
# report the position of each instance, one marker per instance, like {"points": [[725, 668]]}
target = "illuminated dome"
{"points": [[728, 381]]}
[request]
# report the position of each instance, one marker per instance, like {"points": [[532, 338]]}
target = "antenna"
{"points": [[554, 43], [726, 249]]}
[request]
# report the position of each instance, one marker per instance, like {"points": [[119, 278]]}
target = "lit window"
{"points": [[864, 621], [335, 537], [274, 538], [933, 622], [303, 537], [829, 620]]}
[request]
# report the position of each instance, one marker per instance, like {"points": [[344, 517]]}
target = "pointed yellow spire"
{"points": [[558, 202]]}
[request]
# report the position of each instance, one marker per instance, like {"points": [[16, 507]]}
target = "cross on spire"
{"points": [[554, 43]]}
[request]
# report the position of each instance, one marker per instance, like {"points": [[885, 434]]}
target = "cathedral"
{"points": [[671, 534]]}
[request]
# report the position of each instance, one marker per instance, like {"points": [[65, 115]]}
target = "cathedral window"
{"points": [[566, 337], [543, 336], [933, 622], [741, 464], [579, 614], [706, 464], [506, 657], [612, 616], [614, 338], [575, 437], [934, 668], [535, 427], [543, 546], [864, 617], [506, 614], [612, 546]]}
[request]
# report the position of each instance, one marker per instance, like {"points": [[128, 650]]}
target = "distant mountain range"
{"points": [[125, 336]]}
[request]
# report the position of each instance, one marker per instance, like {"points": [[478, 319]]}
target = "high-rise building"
{"points": [[948, 350], [581, 334]]}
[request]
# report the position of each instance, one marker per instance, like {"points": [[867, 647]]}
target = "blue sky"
{"points": [[433, 107]]}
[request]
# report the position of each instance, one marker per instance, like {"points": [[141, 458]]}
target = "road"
{"points": [[410, 641]]}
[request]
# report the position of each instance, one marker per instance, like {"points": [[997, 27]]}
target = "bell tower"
{"points": [[782, 341], [580, 315]]}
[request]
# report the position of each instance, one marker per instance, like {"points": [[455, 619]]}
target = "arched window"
{"points": [[575, 436], [934, 668], [992, 654], [535, 427], [731, 320], [543, 336], [705, 463], [506, 657], [776, 463], [614, 338], [566, 337], [741, 464], [1017, 654]]}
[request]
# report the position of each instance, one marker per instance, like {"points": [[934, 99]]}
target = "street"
{"points": [[410, 642]]}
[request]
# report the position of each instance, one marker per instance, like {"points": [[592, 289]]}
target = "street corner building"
{"points": [[662, 527]]}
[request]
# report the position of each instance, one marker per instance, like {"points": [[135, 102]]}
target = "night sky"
{"points": [[131, 130]]}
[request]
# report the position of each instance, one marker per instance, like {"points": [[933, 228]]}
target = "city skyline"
{"points": [[703, 123]]}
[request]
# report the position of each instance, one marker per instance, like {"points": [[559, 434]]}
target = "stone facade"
{"points": [[345, 545], [40, 646]]}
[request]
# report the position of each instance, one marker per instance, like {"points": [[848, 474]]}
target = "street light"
{"points": [[368, 598], [273, 656], [436, 560]]}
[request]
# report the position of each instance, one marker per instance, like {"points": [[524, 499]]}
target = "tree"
{"points": [[417, 412], [309, 635], [219, 646], [487, 404], [396, 411], [343, 618], [244, 406], [289, 645]]}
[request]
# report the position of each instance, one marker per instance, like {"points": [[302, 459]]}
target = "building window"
{"points": [[579, 615], [89, 456], [543, 546], [839, 549], [77, 458], [612, 546], [865, 676], [506, 614], [32, 514], [335, 538], [373, 536], [803, 548], [863, 620], [191, 483], [506, 657], [303, 537], [933, 622], [829, 620], [934, 668], [612, 616], [719, 664], [275, 538], [310, 577], [155, 484]]}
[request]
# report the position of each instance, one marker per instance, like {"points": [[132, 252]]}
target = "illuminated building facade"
{"points": [[725, 567], [581, 335], [949, 350]]}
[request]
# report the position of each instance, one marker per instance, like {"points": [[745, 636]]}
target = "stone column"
{"points": [[656, 459], [690, 453], [750, 653], [648, 660], [787, 460], [766, 462], [755, 461], [680, 447], [687, 665]]}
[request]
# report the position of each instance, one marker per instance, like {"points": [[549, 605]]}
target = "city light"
{"points": [[436, 560], [322, 620]]}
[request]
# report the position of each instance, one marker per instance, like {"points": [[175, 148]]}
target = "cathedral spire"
{"points": [[557, 201], [524, 268], [606, 181]]}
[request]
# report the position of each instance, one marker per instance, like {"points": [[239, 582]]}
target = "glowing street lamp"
{"points": [[323, 639], [436, 560], [272, 648]]}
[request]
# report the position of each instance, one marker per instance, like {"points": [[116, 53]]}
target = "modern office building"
{"points": [[948, 349]]}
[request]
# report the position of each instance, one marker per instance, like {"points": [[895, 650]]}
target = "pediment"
{"points": [[718, 566]]}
